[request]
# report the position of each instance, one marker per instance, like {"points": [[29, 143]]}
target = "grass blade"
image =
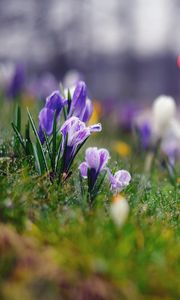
{"points": [[37, 159], [17, 124], [40, 151], [18, 137], [18, 118], [58, 155], [28, 143], [54, 143]]}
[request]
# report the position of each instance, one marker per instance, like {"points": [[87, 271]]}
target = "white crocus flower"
{"points": [[6, 73], [119, 210], [163, 112], [71, 78]]}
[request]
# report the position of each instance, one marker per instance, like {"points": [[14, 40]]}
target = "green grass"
{"points": [[52, 247]]}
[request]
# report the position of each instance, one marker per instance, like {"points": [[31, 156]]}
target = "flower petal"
{"points": [[96, 127], [123, 177], [78, 99], [87, 111], [83, 169], [92, 158], [104, 157], [120, 180], [55, 102], [46, 117], [79, 137]]}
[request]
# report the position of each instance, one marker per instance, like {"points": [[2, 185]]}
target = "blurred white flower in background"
{"points": [[6, 73], [163, 112], [163, 124], [71, 78]]}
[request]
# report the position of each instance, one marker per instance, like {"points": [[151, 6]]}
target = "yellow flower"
{"points": [[28, 100], [178, 180], [122, 148], [97, 112]]}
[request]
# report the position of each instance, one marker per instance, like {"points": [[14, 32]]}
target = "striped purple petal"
{"points": [[119, 180], [83, 169], [78, 100]]}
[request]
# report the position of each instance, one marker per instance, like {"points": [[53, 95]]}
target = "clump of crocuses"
{"points": [[159, 133], [94, 169], [62, 132]]}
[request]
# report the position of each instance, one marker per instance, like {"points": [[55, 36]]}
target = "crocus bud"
{"points": [[95, 161], [164, 109], [119, 180], [119, 210]]}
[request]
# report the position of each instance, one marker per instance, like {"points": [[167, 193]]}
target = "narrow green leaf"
{"points": [[69, 101], [54, 143], [77, 151], [40, 151], [28, 143], [18, 136], [37, 159], [48, 146], [65, 113], [17, 123], [18, 118], [57, 163], [98, 184]]}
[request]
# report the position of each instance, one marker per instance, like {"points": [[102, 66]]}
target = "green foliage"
{"points": [[52, 246]]}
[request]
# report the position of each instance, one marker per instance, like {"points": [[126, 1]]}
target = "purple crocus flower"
{"points": [[54, 103], [127, 114], [78, 101], [16, 85], [119, 180], [145, 134], [95, 162], [42, 86], [74, 133], [171, 147], [88, 110], [80, 105]]}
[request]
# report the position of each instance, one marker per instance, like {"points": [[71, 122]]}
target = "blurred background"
{"points": [[125, 49]]}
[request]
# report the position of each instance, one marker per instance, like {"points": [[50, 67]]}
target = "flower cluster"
{"points": [[74, 134], [159, 127], [94, 165], [52, 108], [58, 141], [63, 129], [78, 105]]}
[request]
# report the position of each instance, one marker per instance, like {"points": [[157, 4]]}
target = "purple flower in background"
{"points": [[145, 134], [54, 103], [74, 133], [43, 86], [119, 180], [95, 162], [127, 115], [17, 82], [171, 147]]}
